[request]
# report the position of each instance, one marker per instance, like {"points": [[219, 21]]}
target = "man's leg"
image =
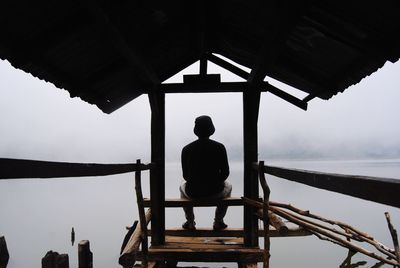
{"points": [[189, 214], [221, 210]]}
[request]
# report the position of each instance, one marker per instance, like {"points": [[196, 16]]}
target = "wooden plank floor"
{"points": [[205, 249]]}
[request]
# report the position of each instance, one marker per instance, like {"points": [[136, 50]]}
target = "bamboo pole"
{"points": [[330, 236], [307, 213], [316, 230], [350, 231], [354, 233]]}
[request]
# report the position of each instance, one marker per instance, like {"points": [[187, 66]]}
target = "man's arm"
{"points": [[184, 164], [224, 163]]}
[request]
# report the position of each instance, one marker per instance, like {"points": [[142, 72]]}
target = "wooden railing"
{"points": [[138, 234], [27, 169], [33, 169], [381, 190]]}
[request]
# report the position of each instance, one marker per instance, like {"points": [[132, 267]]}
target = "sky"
{"points": [[40, 121]]}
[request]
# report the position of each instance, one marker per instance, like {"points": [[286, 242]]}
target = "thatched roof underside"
{"points": [[110, 52]]}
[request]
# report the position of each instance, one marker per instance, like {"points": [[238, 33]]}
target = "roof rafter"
{"points": [[202, 14], [279, 22], [265, 86]]}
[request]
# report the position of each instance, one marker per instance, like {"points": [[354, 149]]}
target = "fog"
{"points": [[40, 121]]}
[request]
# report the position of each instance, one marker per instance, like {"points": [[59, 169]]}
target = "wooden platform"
{"points": [[205, 249]]}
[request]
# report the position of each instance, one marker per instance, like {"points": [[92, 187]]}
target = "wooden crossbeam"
{"points": [[234, 232], [173, 203], [230, 87]]}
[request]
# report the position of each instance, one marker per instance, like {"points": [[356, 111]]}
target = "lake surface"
{"points": [[37, 215]]}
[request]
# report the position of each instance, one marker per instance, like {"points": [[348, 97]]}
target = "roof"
{"points": [[110, 52]]}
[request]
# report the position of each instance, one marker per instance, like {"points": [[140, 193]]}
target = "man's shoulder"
{"points": [[203, 142], [188, 146], [216, 143]]}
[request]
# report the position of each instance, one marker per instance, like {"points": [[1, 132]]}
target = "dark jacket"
{"points": [[205, 167]]}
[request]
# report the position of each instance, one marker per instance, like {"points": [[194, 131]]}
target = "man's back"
{"points": [[205, 167]]}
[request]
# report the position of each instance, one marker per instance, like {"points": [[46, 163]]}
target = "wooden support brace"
{"points": [[128, 256], [393, 233]]}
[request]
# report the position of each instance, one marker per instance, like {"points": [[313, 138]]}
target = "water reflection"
{"points": [[100, 208]]}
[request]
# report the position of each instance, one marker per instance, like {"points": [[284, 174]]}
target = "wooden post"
{"points": [[157, 174], [54, 260], [62, 261], [4, 256], [85, 256], [251, 103]]}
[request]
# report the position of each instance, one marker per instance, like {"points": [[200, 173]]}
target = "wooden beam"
{"points": [[251, 103], [23, 169], [381, 190], [157, 174], [176, 203], [228, 66], [225, 87], [265, 86], [234, 232], [285, 96], [230, 87]]}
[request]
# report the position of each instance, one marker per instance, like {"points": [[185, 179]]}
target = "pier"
{"points": [[109, 53]]}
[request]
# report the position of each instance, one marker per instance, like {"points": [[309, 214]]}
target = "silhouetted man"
{"points": [[205, 168]]}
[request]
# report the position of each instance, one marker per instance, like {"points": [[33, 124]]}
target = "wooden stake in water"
{"points": [[85, 256], [4, 256], [72, 236]]}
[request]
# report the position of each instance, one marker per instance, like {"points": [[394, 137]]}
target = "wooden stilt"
{"points": [[54, 260], [4, 255], [85, 256], [251, 99], [62, 261], [157, 174]]}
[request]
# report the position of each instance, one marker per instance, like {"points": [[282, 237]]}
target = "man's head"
{"points": [[203, 126]]}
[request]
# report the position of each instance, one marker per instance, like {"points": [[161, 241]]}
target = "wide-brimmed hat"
{"points": [[203, 126]]}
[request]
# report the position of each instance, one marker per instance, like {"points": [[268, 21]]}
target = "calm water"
{"points": [[37, 215]]}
